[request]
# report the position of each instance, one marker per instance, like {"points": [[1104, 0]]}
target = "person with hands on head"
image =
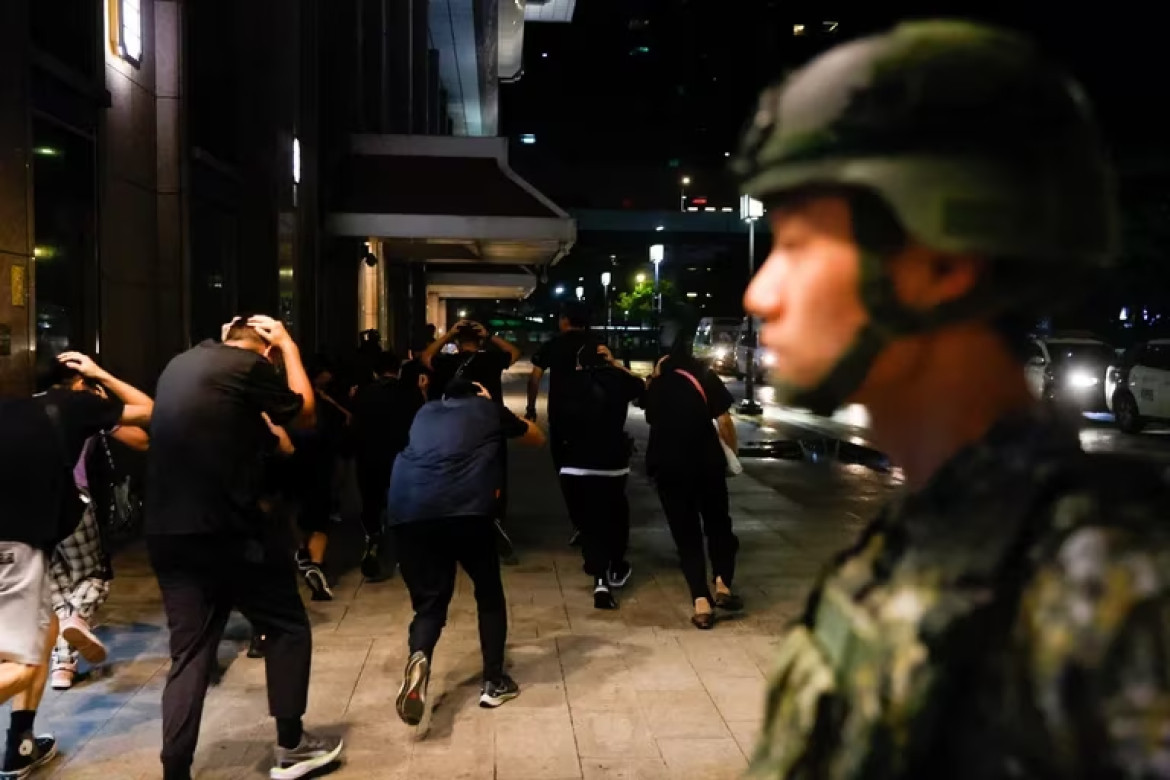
{"points": [[43, 440], [475, 363], [210, 543], [79, 570]]}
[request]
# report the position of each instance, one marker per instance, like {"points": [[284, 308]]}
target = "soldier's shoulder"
{"points": [[1104, 552]]}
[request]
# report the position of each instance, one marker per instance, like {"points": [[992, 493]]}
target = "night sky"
{"points": [[636, 93]]}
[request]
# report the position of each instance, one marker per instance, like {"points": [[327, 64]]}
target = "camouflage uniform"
{"points": [[1011, 619]]}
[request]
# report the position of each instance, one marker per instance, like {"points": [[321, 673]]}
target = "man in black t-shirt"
{"points": [[383, 413], [561, 356], [42, 440], [207, 538], [473, 362]]}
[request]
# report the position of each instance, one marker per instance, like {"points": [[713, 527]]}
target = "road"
{"points": [[1098, 432]]}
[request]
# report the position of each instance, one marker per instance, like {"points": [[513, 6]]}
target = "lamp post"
{"points": [[750, 210], [580, 293], [606, 278], [682, 193], [657, 253]]}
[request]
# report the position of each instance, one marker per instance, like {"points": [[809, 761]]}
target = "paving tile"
{"points": [[703, 759], [535, 747], [625, 769], [613, 732], [681, 714]]}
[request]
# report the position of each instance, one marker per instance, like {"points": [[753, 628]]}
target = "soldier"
{"points": [[930, 190]]}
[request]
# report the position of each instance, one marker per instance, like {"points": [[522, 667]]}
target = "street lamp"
{"points": [[657, 255], [640, 278], [606, 278], [580, 293], [559, 290], [682, 193], [750, 210]]}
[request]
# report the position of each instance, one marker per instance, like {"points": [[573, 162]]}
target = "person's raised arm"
{"points": [[138, 406], [274, 333], [428, 355], [505, 345], [132, 436], [284, 443]]}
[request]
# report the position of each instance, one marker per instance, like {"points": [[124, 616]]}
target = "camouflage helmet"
{"points": [[968, 140], [975, 142]]}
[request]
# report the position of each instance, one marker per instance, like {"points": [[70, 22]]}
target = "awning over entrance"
{"points": [[446, 199]]}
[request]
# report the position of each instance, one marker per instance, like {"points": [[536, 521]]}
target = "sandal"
{"points": [[704, 621], [728, 601]]}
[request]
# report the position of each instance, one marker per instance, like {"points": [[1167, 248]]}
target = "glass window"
{"points": [[64, 248]]}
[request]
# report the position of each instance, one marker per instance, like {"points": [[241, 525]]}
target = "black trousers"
{"points": [[696, 506], [428, 553], [373, 483], [202, 578], [502, 499], [600, 510]]}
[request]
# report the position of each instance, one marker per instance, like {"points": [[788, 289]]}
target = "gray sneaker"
{"points": [[411, 703], [312, 754]]}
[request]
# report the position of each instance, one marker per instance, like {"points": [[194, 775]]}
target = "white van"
{"points": [[715, 341]]}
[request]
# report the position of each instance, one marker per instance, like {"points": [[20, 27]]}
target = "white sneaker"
{"points": [[61, 676], [78, 634]]}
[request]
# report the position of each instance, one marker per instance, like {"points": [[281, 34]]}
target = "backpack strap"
{"points": [[698, 385]]}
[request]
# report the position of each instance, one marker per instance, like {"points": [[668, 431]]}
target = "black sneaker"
{"points": [[371, 562], [619, 574], [411, 703], [499, 691], [315, 578], [306, 758], [602, 598], [303, 559], [31, 754], [256, 646]]}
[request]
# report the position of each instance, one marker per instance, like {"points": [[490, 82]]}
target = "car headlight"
{"points": [[1082, 380], [719, 352]]}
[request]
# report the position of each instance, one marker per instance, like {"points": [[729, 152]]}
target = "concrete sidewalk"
{"points": [[635, 693]]}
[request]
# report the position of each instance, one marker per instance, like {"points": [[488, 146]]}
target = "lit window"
{"points": [[692, 295], [798, 29], [296, 160], [528, 138], [126, 30]]}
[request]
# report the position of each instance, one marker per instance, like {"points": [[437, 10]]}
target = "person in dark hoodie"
{"points": [[595, 464]]}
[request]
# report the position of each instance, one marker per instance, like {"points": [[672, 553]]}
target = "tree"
{"points": [[639, 302]]}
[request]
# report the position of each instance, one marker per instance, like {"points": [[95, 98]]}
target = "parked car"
{"points": [[745, 344], [1070, 371], [1138, 386], [715, 342]]}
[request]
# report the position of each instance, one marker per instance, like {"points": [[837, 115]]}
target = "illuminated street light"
{"points": [[682, 193], [580, 293], [559, 290], [657, 255], [750, 210], [640, 278]]}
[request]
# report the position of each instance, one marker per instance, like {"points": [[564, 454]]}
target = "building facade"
{"points": [[165, 164]]}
